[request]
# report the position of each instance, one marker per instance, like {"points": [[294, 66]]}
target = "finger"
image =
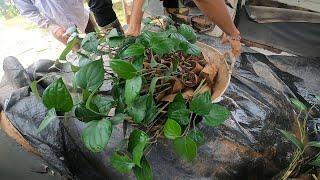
{"points": [[224, 39]]}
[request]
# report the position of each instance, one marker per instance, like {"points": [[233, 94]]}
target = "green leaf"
{"points": [[90, 76], [292, 138], [113, 33], [136, 49], [318, 98], [298, 104], [172, 129], [83, 60], [135, 138], [197, 137], [316, 162], [72, 37], [193, 50], [201, 104], [138, 110], [123, 68], [96, 135], [116, 41], [132, 89], [178, 110], [57, 96], [51, 115], [68, 48], [314, 144], [34, 89], [90, 42], [161, 45], [188, 33], [103, 103], [178, 36], [138, 62], [122, 163], [84, 114], [153, 84], [185, 147], [117, 119], [151, 110], [217, 115], [137, 153], [74, 68], [144, 172]]}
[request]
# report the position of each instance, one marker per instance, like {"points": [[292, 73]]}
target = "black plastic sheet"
{"points": [[248, 145]]}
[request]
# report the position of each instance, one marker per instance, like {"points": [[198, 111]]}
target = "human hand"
{"points": [[59, 33], [234, 43]]}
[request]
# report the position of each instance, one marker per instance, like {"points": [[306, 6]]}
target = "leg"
{"points": [[103, 12]]}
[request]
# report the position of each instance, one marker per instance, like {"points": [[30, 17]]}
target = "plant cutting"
{"points": [[162, 88]]}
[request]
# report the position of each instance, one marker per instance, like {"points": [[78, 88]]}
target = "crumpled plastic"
{"points": [[247, 145]]}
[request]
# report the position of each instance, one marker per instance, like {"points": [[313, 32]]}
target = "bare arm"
{"points": [[217, 12], [135, 19]]}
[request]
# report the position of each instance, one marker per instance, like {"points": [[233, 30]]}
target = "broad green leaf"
{"points": [[145, 38], [314, 144], [292, 138], [138, 110], [116, 41], [188, 33], [34, 89], [138, 62], [193, 50], [117, 119], [201, 104], [103, 103], [197, 137], [171, 129], [51, 115], [298, 104], [113, 33], [122, 163], [57, 96], [217, 115], [185, 147], [90, 42], [161, 45], [137, 153], [178, 110], [84, 114], [135, 138], [136, 49], [146, 20], [118, 95], [90, 76], [96, 135], [151, 110], [144, 172], [83, 60], [123, 68], [178, 36], [68, 48], [132, 89]]}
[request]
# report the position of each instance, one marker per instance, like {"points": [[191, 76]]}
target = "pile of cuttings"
{"points": [[177, 72]]}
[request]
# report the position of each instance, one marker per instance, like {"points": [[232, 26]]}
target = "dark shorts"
{"points": [[103, 12]]}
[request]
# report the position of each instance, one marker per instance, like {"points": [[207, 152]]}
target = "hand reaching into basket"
{"points": [[234, 43]]}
